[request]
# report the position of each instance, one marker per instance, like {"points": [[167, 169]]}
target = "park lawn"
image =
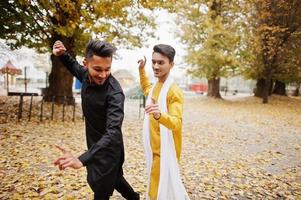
{"points": [[232, 149]]}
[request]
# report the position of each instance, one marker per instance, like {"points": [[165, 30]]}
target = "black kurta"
{"points": [[103, 110]]}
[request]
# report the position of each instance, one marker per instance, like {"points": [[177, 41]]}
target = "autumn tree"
{"points": [[38, 24], [210, 33], [288, 70], [275, 44]]}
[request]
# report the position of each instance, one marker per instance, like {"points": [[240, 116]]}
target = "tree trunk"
{"points": [[297, 91], [271, 88], [267, 86], [213, 88], [60, 83], [259, 88], [279, 88], [60, 79], [214, 83]]}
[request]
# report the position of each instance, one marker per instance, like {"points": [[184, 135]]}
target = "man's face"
{"points": [[99, 68], [161, 66]]}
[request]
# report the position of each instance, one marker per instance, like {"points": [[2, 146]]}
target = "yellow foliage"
{"points": [[233, 148]]}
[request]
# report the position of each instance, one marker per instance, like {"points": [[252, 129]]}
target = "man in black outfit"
{"points": [[102, 104]]}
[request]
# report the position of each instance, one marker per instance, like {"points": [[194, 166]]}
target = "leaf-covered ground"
{"points": [[233, 149]]}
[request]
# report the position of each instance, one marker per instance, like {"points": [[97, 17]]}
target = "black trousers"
{"points": [[124, 188]]}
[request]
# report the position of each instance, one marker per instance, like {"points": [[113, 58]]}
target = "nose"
{"points": [[156, 66], [102, 75]]}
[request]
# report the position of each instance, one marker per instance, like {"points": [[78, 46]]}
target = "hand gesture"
{"points": [[58, 48], [67, 160], [153, 109], [142, 62]]}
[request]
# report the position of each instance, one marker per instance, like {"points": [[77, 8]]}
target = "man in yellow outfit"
{"points": [[160, 115]]}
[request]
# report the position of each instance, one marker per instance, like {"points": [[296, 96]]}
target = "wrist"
{"points": [[157, 117], [80, 164]]}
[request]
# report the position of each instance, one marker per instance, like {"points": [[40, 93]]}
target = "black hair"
{"points": [[165, 50], [99, 48]]}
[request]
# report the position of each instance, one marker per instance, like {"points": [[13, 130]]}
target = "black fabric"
{"points": [[123, 187], [99, 197], [103, 110]]}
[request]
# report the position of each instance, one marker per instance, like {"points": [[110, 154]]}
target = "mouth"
{"points": [[99, 81]]}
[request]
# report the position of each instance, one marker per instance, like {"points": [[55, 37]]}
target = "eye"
{"points": [[154, 62], [160, 62]]}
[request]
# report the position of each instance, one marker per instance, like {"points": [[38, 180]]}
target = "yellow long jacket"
{"points": [[172, 120]]}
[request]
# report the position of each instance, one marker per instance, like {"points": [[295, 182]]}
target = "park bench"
{"points": [[21, 95]]}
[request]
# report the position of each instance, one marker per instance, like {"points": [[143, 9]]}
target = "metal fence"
{"points": [[54, 108]]}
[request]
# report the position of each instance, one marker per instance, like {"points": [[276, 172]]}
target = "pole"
{"points": [[64, 104], [20, 107], [52, 107], [30, 107], [46, 79], [25, 79], [73, 119], [41, 111], [7, 81]]}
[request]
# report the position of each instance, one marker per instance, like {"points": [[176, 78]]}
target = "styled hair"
{"points": [[165, 50], [99, 48]]}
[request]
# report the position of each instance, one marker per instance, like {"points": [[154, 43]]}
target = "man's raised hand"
{"points": [[142, 62], [58, 48]]}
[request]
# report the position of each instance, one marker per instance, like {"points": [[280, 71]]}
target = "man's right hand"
{"points": [[142, 62], [67, 160], [58, 48]]}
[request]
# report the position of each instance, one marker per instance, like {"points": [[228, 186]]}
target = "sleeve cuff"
{"points": [[63, 56], [142, 73], [84, 158], [142, 70], [163, 119]]}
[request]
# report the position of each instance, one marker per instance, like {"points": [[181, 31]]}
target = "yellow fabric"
{"points": [[172, 120]]}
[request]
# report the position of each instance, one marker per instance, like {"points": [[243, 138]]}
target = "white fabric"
{"points": [[170, 183]]}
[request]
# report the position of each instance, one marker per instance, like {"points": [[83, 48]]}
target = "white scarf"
{"points": [[170, 184]]}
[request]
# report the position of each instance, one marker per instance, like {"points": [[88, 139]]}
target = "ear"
{"points": [[172, 64], [85, 63]]}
